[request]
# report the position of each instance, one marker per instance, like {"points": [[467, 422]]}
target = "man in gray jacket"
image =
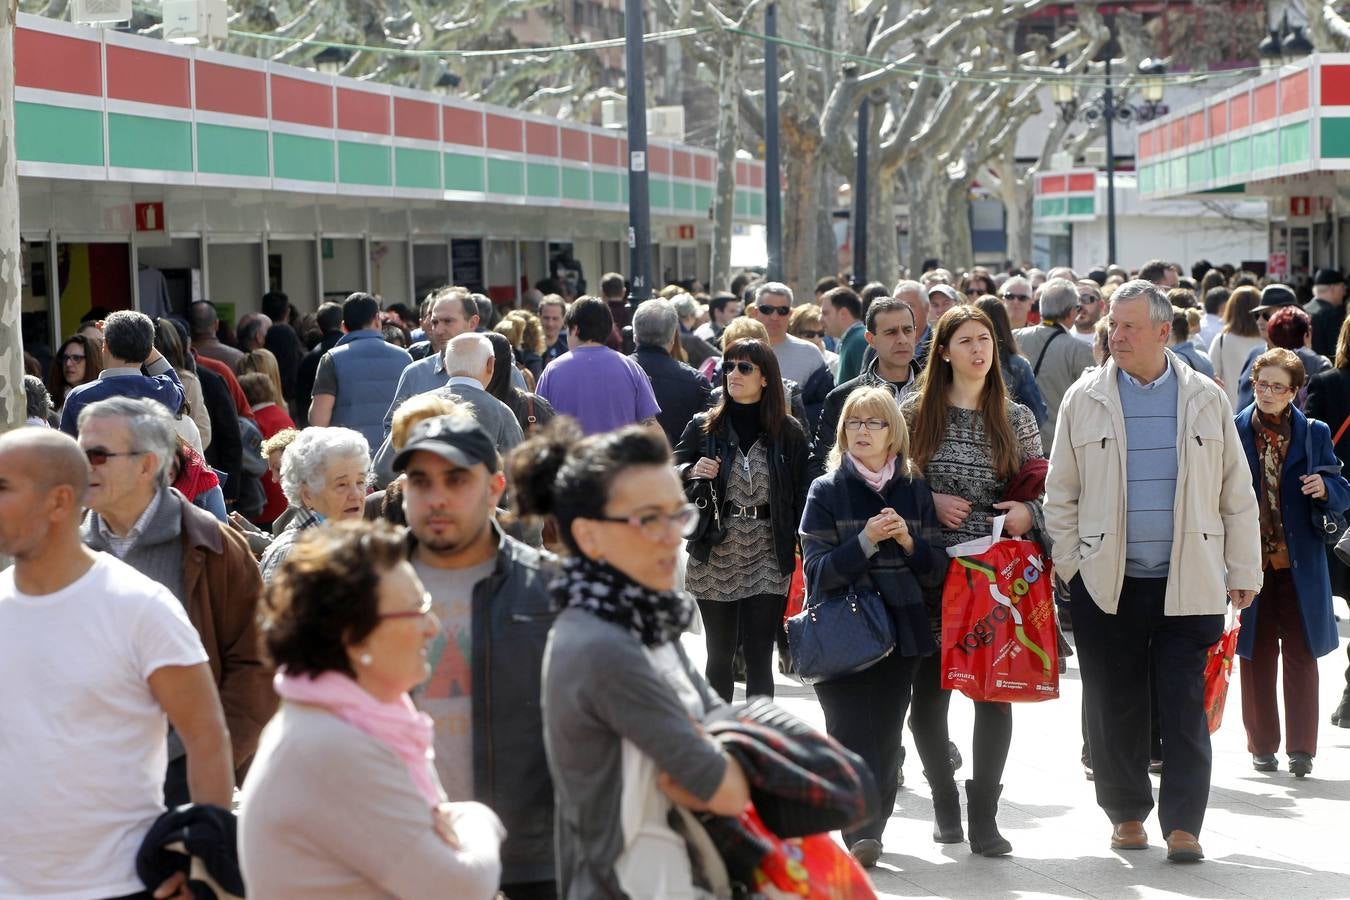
{"points": [[1148, 471], [1057, 359]]}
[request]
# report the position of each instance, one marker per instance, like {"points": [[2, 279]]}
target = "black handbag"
{"points": [[842, 634], [1328, 524], [702, 492]]}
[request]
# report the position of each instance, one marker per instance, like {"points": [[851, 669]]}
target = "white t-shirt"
{"points": [[82, 739]]}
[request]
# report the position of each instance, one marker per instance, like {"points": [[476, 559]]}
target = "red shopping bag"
{"points": [[1218, 672], [812, 866], [998, 625], [796, 591]]}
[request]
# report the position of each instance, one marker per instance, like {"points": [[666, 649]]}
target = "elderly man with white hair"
{"points": [[136, 516], [1017, 295], [469, 362], [323, 475], [1055, 363]]}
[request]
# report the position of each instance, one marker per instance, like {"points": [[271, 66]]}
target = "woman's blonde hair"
{"points": [[874, 403], [419, 408], [264, 362], [512, 329], [743, 328]]}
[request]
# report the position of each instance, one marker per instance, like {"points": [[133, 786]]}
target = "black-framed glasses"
{"points": [[656, 525], [740, 365], [1264, 315], [71, 358], [1275, 390], [811, 335], [1088, 299], [98, 456], [421, 612], [869, 424], [767, 310], [1021, 298]]}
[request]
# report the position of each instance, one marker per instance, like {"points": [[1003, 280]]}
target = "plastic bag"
{"points": [[1218, 672], [813, 866], [998, 622]]}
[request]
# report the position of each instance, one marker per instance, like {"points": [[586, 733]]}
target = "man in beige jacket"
{"points": [[1150, 508]]}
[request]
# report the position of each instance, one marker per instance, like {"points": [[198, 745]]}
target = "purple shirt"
{"points": [[601, 389]]}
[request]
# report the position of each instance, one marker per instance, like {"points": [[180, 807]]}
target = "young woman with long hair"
{"points": [[1239, 337], [78, 362], [756, 456], [969, 441]]}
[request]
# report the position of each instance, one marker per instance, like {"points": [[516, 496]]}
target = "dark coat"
{"points": [[1307, 553], [833, 558], [226, 450], [789, 461], [1326, 327], [1329, 401], [306, 372], [680, 391]]}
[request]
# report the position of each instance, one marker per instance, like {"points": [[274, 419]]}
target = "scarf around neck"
{"points": [[399, 725], [653, 617], [877, 481]]}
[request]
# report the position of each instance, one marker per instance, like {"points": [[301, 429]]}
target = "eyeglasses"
{"points": [[869, 424], [98, 457], [740, 365], [811, 335], [71, 358], [1021, 298], [1263, 316], [421, 612], [656, 525], [766, 310], [1275, 390], [1088, 300]]}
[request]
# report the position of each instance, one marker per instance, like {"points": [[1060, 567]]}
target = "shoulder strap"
{"points": [[1340, 432], [529, 411], [1040, 358]]}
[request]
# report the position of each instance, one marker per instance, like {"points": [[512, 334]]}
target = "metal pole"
{"points": [[773, 198], [639, 201], [1109, 108], [860, 195]]}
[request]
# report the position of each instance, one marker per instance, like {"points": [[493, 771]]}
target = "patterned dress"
{"points": [[745, 564]]}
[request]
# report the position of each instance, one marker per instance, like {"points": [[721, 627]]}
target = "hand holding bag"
{"points": [[1218, 672], [839, 635], [702, 492]]}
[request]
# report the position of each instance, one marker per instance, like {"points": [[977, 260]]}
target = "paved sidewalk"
{"points": [[1266, 835]]}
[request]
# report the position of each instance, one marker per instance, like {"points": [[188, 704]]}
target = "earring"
{"points": [[365, 659], [946, 359]]}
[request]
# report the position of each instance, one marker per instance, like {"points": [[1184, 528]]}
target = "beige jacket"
{"points": [[1216, 543]]}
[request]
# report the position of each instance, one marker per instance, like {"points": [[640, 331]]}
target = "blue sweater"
{"points": [[160, 382], [1151, 473]]}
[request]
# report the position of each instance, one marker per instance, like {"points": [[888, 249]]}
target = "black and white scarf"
{"points": [[653, 617]]}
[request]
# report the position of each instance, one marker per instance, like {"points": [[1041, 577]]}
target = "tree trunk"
{"points": [[12, 401], [960, 242], [801, 204], [883, 249], [1019, 207], [728, 134]]}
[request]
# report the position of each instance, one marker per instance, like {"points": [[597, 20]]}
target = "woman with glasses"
{"points": [[1228, 352], [871, 523], [343, 799], [78, 362], [621, 704], [1017, 297], [806, 323], [1296, 476], [969, 441], [755, 455]]}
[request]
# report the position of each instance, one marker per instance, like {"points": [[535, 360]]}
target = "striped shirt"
{"points": [[1151, 472]]}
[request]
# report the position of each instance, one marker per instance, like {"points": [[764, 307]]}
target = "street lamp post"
{"points": [[639, 200], [773, 197]]}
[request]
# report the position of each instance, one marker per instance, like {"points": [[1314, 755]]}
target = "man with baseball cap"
{"points": [[490, 593], [1327, 309]]}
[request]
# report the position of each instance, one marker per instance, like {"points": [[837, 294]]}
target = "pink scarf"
{"points": [[399, 726], [877, 481]]}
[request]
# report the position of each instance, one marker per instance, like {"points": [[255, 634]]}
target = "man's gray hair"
{"points": [[1159, 307], [910, 287], [655, 323], [773, 287], [148, 422], [467, 354], [1059, 297], [686, 307], [312, 451]]}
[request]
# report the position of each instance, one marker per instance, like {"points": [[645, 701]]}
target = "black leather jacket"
{"points": [[789, 458]]}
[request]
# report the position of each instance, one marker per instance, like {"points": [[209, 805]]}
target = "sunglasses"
{"points": [[1088, 300], [811, 335], [71, 358], [98, 457], [1023, 298], [740, 365], [418, 613], [766, 310]]}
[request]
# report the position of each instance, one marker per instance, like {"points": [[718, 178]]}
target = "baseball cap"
{"points": [[945, 289], [1328, 276], [1274, 296], [457, 438]]}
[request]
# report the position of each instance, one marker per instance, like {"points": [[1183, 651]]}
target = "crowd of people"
{"points": [[408, 589]]}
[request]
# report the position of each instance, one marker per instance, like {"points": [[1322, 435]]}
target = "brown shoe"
{"points": [[1129, 836], [1182, 846]]}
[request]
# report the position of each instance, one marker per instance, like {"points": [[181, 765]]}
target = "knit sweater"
{"points": [[1151, 472]]}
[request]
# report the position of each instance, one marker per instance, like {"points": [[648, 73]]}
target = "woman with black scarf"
{"points": [[756, 457], [621, 704]]}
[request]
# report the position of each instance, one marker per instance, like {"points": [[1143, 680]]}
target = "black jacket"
{"points": [[680, 391], [305, 374], [512, 614], [286, 347], [789, 461], [226, 450], [1326, 329], [1329, 401]]}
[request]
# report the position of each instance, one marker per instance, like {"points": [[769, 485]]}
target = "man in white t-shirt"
{"points": [[93, 656]]}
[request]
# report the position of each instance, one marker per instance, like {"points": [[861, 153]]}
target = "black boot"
{"points": [[1341, 717], [946, 810], [981, 809]]}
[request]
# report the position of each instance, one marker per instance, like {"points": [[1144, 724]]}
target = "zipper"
{"points": [[1103, 443], [1199, 441]]}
